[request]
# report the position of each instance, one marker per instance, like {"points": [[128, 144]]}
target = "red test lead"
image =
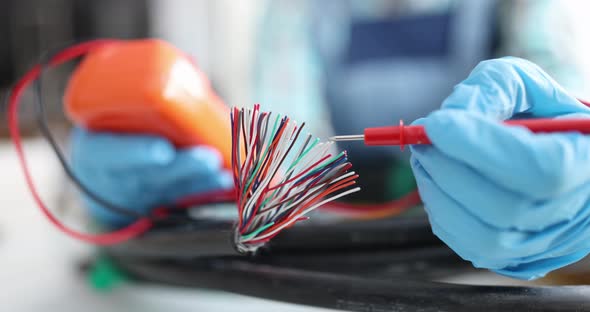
{"points": [[402, 135]]}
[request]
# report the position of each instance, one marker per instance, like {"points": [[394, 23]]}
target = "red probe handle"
{"points": [[402, 135], [396, 135]]}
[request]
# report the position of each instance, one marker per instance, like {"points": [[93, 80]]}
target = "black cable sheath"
{"points": [[423, 261], [354, 293], [215, 241], [313, 240], [380, 275], [354, 235]]}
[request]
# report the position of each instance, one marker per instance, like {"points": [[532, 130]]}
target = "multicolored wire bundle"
{"points": [[276, 183]]}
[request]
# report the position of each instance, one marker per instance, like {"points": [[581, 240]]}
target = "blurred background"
{"points": [[338, 65]]}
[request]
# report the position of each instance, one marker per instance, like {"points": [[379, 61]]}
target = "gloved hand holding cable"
{"points": [[504, 198], [150, 129], [142, 172]]}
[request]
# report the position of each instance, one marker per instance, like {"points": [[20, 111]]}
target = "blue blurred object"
{"points": [[352, 64], [141, 172], [392, 60], [502, 197]]}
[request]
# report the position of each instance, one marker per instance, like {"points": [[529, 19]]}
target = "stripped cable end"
{"points": [[280, 176]]}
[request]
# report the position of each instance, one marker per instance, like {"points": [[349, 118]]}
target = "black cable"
{"points": [[397, 251], [354, 235], [379, 273], [199, 240], [312, 240], [354, 293]]}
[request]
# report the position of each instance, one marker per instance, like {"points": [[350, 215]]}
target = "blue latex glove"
{"points": [[142, 172], [506, 199]]}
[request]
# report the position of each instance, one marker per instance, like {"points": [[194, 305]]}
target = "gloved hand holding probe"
{"points": [[504, 198]]}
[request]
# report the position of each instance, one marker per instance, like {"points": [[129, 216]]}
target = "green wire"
{"points": [[315, 142], [267, 199], [248, 236]]}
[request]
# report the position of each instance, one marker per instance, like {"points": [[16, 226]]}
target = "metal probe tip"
{"points": [[354, 137]]}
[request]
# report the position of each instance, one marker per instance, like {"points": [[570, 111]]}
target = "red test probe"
{"points": [[403, 135]]}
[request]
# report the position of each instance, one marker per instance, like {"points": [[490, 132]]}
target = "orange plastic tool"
{"points": [[149, 87]]}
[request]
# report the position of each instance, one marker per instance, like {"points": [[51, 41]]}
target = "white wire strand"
{"points": [[264, 183], [306, 211]]}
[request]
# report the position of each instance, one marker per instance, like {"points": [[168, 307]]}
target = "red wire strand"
{"points": [[133, 230]]}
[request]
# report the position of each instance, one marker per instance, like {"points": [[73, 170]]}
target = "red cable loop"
{"points": [[133, 230]]}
